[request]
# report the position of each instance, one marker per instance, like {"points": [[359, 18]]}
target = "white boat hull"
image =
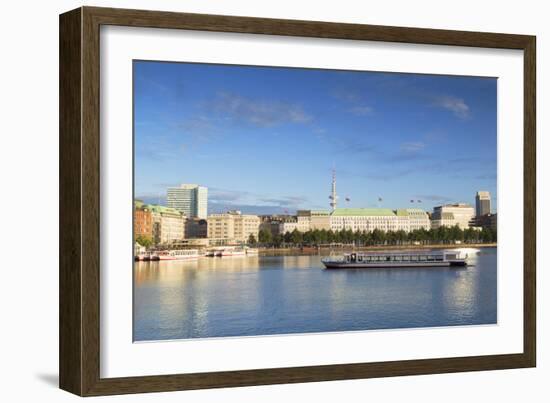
{"points": [[177, 257], [336, 265], [225, 254]]}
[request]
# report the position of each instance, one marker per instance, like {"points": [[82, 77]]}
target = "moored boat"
{"points": [[233, 252], [252, 251], [143, 257], [401, 259], [176, 254]]}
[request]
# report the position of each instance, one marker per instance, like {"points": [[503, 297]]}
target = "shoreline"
{"points": [[313, 250]]}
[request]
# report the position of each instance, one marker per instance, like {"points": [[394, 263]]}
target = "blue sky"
{"points": [[265, 139]]}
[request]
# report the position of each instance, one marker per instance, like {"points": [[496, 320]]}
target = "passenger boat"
{"points": [[400, 259], [141, 257], [233, 252], [145, 257], [177, 254], [216, 252]]}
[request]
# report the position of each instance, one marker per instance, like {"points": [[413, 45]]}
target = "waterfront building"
{"points": [[287, 226], [190, 199], [279, 224], [418, 219], [143, 221], [246, 225], [312, 220], [364, 219], [320, 220], [220, 228], [232, 227], [383, 219], [402, 220], [449, 215], [270, 224], [483, 203], [168, 224], [196, 228], [303, 220], [486, 221]]}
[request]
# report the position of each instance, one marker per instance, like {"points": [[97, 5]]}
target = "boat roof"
{"points": [[398, 253]]}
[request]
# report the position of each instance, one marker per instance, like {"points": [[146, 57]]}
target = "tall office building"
{"points": [[483, 203], [191, 200]]}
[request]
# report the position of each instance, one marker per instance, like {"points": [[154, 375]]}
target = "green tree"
{"points": [[287, 237], [144, 241], [296, 237], [252, 239], [400, 236], [265, 236], [378, 237]]}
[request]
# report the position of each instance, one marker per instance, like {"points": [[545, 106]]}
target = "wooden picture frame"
{"points": [[79, 346]]}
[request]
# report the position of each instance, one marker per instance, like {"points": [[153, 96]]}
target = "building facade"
{"points": [[287, 226], [312, 220], [449, 215], [245, 226], [232, 227], [220, 228], [366, 219], [483, 203], [143, 222], [190, 199], [168, 224], [355, 219], [196, 228], [486, 221], [320, 220], [418, 219]]}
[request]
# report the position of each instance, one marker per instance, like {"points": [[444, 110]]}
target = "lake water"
{"points": [[261, 295]]}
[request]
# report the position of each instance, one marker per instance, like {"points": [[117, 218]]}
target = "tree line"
{"points": [[442, 235]]}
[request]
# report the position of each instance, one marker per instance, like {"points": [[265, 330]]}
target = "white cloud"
{"points": [[413, 146], [259, 112], [362, 110], [456, 105]]}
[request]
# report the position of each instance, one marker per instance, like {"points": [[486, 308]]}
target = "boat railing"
{"points": [[394, 257]]}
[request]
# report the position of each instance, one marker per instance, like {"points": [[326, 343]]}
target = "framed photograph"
{"points": [[250, 201]]}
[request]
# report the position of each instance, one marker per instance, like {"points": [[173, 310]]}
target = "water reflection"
{"points": [[254, 295]]}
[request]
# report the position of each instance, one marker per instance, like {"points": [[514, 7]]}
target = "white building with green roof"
{"points": [[383, 219], [168, 224], [416, 218]]}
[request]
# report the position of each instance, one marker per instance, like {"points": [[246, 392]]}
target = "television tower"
{"points": [[333, 197]]}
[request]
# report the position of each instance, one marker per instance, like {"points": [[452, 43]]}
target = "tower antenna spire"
{"points": [[333, 197]]}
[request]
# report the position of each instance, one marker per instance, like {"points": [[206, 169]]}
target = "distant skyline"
{"points": [[265, 140]]}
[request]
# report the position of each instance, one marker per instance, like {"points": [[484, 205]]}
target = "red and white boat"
{"points": [[177, 254]]}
